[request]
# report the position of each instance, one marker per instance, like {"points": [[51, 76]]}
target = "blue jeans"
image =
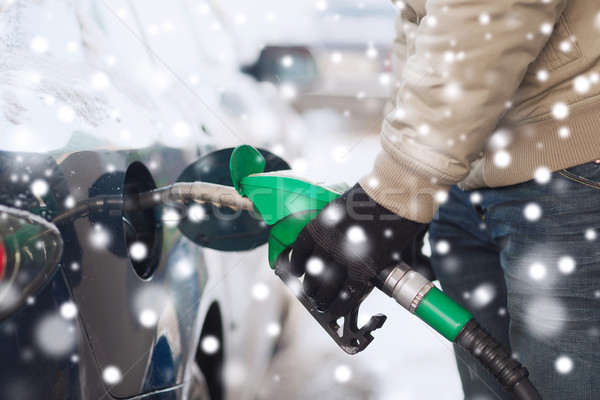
{"points": [[525, 260]]}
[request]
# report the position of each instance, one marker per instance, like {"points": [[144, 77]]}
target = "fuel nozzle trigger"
{"points": [[348, 336], [288, 203]]}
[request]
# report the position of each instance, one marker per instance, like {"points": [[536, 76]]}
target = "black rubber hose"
{"points": [[525, 390], [498, 361]]}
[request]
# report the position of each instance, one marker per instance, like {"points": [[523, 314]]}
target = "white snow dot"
{"points": [[68, 310], [484, 19], [273, 329], [100, 81], [138, 251], [537, 271], [566, 265], [500, 139], [565, 46], [546, 28], [560, 110], [39, 44], [483, 295], [30, 300], [452, 91], [542, 175], [69, 202], [371, 52], [581, 84], [75, 266], [342, 373], [181, 129], [148, 318], [66, 114], [475, 197], [321, 5], [235, 373], [532, 211], [332, 214], [111, 375], [542, 75], [356, 235], [373, 182], [384, 79], [183, 269], [314, 266], [210, 344], [441, 196], [431, 20], [563, 364], [597, 21], [442, 247], [99, 237], [287, 61], [53, 337], [388, 233], [196, 213], [399, 113], [502, 158], [288, 91], [336, 57], [564, 132], [203, 8], [39, 187], [590, 234], [260, 291], [423, 129], [170, 217], [74, 358]]}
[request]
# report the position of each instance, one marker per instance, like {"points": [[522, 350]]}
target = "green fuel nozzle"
{"points": [[288, 203]]}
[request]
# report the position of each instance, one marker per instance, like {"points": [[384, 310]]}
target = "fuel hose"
{"points": [[420, 297]]}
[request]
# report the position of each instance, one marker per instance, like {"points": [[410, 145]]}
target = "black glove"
{"points": [[345, 246]]}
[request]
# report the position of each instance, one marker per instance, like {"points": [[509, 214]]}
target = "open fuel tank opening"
{"points": [[143, 230]]}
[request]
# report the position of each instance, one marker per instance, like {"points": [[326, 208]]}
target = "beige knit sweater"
{"points": [[487, 94]]}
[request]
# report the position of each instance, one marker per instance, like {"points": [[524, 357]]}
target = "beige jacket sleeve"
{"points": [[467, 62]]}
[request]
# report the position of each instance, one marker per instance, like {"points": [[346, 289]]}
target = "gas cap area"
{"points": [[142, 228]]}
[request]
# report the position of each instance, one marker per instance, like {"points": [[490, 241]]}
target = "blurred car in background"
{"points": [[102, 101], [344, 65]]}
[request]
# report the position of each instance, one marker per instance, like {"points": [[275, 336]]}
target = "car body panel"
{"points": [[79, 119]]}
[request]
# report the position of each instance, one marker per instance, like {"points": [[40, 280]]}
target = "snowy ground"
{"points": [[407, 360]]}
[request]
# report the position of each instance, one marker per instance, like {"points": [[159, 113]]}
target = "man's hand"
{"points": [[345, 246]]}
